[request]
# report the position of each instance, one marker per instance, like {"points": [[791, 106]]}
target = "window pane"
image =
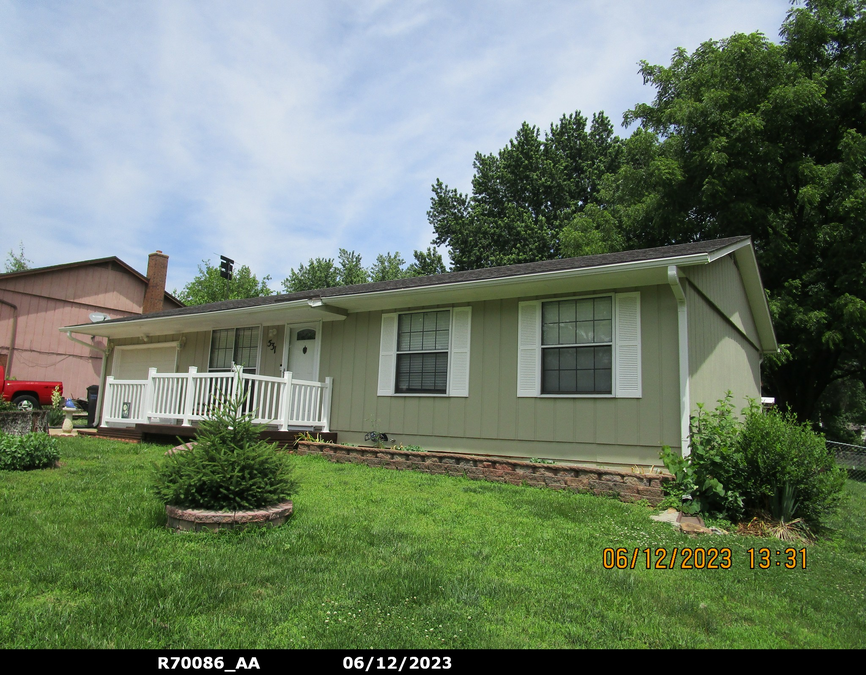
{"points": [[422, 373], [603, 331], [550, 334], [550, 312], [247, 347], [566, 334], [602, 308], [567, 310], [221, 349], [584, 310], [576, 370], [584, 332]]}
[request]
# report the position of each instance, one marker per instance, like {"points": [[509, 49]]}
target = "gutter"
{"points": [[683, 343], [13, 331]]}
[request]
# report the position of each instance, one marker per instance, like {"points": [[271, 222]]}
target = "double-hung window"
{"points": [[234, 346], [585, 346], [422, 352], [425, 353], [577, 346]]}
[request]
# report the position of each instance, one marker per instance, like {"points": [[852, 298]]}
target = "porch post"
{"points": [[106, 398], [326, 404], [190, 393], [286, 401], [148, 395], [238, 372]]}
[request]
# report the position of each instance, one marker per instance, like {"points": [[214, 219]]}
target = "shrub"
{"points": [[35, 450], [229, 468], [787, 469], [701, 478], [766, 464]]}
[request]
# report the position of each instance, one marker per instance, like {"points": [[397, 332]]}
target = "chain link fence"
{"points": [[852, 458]]}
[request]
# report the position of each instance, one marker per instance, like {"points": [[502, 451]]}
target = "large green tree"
{"points": [[525, 195], [751, 137], [209, 286]]}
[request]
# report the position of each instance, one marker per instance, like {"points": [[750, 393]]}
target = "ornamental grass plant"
{"points": [[229, 468]]}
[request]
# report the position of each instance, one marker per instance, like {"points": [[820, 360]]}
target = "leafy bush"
{"points": [[766, 464], [786, 468], [229, 468], [35, 450], [700, 478]]}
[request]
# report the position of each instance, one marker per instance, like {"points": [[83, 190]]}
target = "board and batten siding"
{"points": [[492, 419], [723, 339]]}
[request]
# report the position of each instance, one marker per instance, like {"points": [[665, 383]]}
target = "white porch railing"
{"points": [[186, 397]]}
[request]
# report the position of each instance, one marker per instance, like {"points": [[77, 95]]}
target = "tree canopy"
{"points": [[768, 140], [209, 286], [17, 262], [526, 194], [324, 273], [744, 137]]}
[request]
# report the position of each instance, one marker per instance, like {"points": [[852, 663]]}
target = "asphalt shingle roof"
{"points": [[457, 277]]}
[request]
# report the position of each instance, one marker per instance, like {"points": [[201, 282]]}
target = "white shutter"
{"points": [[628, 357], [528, 344], [387, 355], [461, 320]]}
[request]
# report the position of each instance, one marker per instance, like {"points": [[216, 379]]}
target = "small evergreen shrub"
{"points": [[768, 463], [35, 450], [229, 468]]}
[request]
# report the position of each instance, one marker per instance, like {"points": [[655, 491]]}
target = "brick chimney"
{"points": [[157, 268]]}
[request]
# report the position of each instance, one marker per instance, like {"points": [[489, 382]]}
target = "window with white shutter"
{"points": [[425, 353], [587, 346]]}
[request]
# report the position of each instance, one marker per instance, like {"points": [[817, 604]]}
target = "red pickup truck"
{"points": [[27, 395]]}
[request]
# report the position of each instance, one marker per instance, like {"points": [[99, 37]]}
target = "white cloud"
{"points": [[274, 132]]}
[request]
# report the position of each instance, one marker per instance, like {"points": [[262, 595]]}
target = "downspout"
{"points": [[683, 341], [105, 352], [12, 335]]}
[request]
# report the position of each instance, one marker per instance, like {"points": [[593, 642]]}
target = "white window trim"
{"points": [[529, 366], [458, 353], [234, 328]]}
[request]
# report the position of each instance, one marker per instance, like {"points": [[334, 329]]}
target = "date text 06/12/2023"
{"points": [[663, 558]]}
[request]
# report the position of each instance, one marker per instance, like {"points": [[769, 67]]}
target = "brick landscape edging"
{"points": [[625, 485], [196, 520]]}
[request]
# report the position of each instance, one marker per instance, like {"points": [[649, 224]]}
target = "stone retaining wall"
{"points": [[197, 519], [625, 485], [20, 422]]}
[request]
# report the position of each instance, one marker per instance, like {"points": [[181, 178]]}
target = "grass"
{"points": [[386, 559]]}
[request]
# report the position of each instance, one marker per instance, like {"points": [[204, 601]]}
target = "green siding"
{"points": [[721, 359], [492, 418], [721, 282]]}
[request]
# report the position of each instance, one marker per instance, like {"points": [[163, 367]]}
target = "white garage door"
{"points": [[132, 363]]}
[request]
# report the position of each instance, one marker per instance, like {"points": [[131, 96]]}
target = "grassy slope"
{"points": [[377, 558]]}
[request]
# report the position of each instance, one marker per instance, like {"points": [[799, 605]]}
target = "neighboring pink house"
{"points": [[35, 303]]}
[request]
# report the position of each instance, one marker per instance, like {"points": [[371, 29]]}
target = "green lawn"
{"points": [[386, 559]]}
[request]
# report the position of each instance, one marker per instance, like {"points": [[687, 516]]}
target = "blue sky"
{"points": [[273, 132]]}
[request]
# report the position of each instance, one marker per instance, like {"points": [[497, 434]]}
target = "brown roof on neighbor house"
{"points": [[96, 262], [486, 273]]}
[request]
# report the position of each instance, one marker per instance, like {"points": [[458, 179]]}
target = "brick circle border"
{"points": [[196, 520]]}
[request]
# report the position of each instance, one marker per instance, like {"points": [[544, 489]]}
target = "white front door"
{"points": [[302, 343]]}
